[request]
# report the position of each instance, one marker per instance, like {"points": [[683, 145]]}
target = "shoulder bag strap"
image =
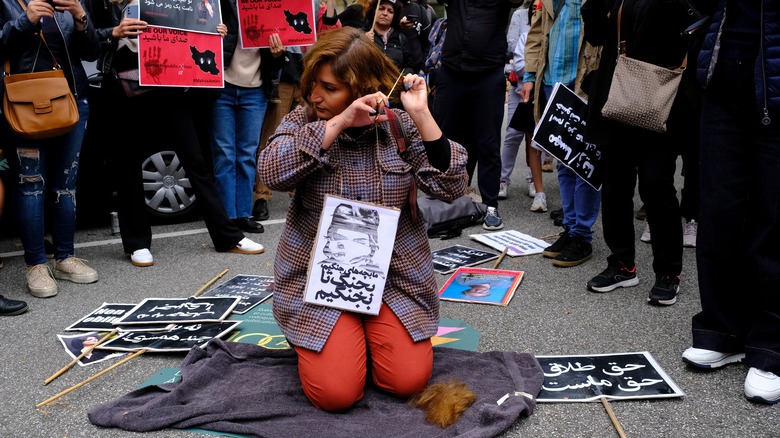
{"points": [[53, 59], [622, 44]]}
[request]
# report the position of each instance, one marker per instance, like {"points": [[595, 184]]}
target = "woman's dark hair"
{"points": [[354, 59]]}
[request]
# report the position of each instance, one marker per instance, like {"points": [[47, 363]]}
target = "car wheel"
{"points": [[167, 190]]}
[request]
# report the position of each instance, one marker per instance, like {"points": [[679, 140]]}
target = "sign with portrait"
{"points": [[352, 253], [179, 58], [561, 133], [294, 20], [76, 345]]}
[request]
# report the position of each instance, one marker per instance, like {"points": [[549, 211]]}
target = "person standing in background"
{"points": [[8, 307], [48, 165], [555, 52], [237, 118], [471, 90], [739, 217]]}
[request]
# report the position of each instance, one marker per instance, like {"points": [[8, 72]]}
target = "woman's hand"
{"points": [[414, 96], [38, 9], [72, 6], [275, 44], [365, 110], [222, 29], [128, 27]]}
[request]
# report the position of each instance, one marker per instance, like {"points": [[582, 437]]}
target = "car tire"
{"points": [[168, 192]]}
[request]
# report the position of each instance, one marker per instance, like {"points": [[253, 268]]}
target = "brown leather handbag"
{"points": [[39, 105]]}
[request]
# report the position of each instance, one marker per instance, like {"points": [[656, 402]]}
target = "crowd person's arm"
{"points": [[533, 48]]}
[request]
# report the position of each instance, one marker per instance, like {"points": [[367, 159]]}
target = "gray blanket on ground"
{"points": [[245, 389]]}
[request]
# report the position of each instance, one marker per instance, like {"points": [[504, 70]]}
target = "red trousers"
{"points": [[334, 378]]}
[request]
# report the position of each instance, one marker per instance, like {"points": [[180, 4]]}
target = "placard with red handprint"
{"points": [[293, 20], [195, 15], [177, 58]]}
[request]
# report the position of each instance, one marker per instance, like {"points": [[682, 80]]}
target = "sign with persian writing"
{"points": [[561, 133], [449, 259], [515, 242], [195, 15], [252, 289], [102, 319], [351, 259], [180, 310], [180, 338], [294, 21], [178, 58], [615, 376]]}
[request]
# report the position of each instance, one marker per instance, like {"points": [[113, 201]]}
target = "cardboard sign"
{"points": [[449, 259], [560, 132], [515, 242], [180, 310], [294, 20], [615, 376], [481, 285], [352, 253], [180, 338], [178, 58], [251, 289]]}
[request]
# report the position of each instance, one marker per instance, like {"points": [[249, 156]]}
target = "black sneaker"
{"points": [[612, 278], [492, 220], [577, 252], [665, 290], [553, 250]]}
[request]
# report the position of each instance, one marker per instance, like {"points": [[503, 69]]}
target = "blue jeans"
{"points": [[580, 201], [40, 167], [237, 119]]}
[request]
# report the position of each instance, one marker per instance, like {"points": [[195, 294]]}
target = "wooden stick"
{"points": [[501, 257], [84, 353], [612, 417], [206, 286], [79, 385], [376, 14], [549, 236]]}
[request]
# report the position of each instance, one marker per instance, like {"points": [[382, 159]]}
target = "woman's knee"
{"points": [[331, 394]]}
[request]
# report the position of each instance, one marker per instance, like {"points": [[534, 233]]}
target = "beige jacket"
{"points": [[536, 48]]}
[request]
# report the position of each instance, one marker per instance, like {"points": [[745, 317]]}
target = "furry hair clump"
{"points": [[444, 402]]}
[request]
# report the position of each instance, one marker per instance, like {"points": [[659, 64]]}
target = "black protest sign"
{"points": [[449, 259], [103, 318], [180, 338], [617, 376], [561, 133], [179, 310], [252, 289]]}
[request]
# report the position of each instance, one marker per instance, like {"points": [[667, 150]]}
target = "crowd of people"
{"points": [[325, 118]]}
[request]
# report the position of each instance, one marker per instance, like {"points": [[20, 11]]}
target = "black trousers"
{"points": [[171, 112], [632, 155], [739, 221], [469, 108]]}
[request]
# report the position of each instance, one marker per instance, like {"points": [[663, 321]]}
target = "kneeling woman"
{"points": [[337, 145]]}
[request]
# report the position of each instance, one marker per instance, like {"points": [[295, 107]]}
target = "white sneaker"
{"points": [[502, 189], [531, 190], [689, 233], [246, 246], [762, 386], [142, 257], [540, 203], [645, 237], [703, 358]]}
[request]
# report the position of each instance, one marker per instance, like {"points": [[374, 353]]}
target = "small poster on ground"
{"points": [[449, 259], [481, 285], [351, 258], [179, 310], [104, 316], [515, 242], [75, 345], [614, 376], [180, 338], [252, 289]]}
